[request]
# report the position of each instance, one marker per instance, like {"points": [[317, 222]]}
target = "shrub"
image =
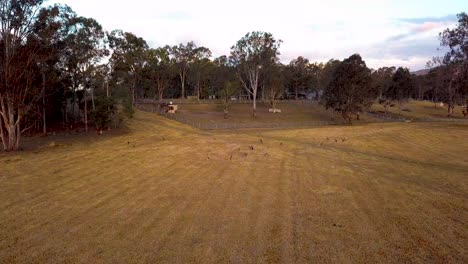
{"points": [[104, 112]]}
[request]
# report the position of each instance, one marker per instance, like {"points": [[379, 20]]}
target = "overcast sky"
{"points": [[385, 32]]}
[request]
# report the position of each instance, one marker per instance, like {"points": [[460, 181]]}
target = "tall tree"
{"points": [[382, 79], [18, 92], [299, 75], [443, 81], [350, 90], [275, 85], [160, 69], [128, 58], [314, 82], [50, 31], [183, 56], [400, 88], [200, 67], [251, 53], [456, 60], [223, 72], [230, 89], [327, 73], [85, 49]]}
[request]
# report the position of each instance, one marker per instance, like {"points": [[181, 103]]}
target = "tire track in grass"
{"points": [[87, 218], [309, 215], [265, 214], [324, 184], [196, 245], [44, 195], [173, 223], [57, 182], [223, 213], [132, 188], [308, 205], [78, 194], [289, 242]]}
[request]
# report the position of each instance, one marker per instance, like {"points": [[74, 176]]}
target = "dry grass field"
{"points": [[162, 192], [292, 112], [417, 110]]}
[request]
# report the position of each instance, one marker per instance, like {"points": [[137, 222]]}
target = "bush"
{"points": [[104, 112]]}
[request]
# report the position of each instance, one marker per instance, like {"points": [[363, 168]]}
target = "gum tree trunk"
{"points": [[10, 132]]}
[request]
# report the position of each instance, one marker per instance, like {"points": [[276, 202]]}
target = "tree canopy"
{"points": [[350, 91], [251, 54], [60, 70]]}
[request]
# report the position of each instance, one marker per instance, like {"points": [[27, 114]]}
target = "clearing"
{"points": [[163, 192]]}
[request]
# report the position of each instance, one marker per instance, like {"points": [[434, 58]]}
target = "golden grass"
{"points": [[166, 193], [421, 110], [292, 112]]}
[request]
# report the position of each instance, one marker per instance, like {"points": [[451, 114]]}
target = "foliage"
{"points": [[453, 85], [128, 108], [250, 54], [400, 88], [457, 40], [159, 69], [102, 115], [128, 59], [200, 69], [275, 85], [350, 90], [56, 66], [327, 73], [183, 56], [299, 75], [230, 89], [20, 51]]}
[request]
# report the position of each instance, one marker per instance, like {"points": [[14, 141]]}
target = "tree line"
{"points": [[60, 70]]}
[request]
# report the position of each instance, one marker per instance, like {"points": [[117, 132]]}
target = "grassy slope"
{"points": [[303, 112], [421, 110], [164, 192], [300, 112]]}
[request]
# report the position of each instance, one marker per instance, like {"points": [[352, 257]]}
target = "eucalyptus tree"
{"points": [[230, 89], [443, 80], [456, 59], [128, 58], [223, 73], [85, 49], [382, 80], [160, 69], [298, 75], [18, 67], [50, 31], [200, 68], [327, 73], [183, 55], [400, 88], [350, 90], [314, 82], [275, 84], [250, 54]]}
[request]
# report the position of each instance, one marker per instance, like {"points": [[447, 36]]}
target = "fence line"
{"points": [[393, 118], [153, 108], [387, 118], [216, 101], [218, 126]]}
